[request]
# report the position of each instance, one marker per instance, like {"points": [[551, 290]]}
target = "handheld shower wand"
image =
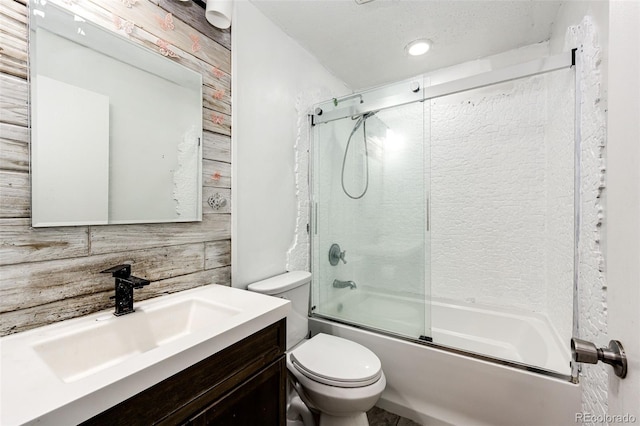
{"points": [[362, 121]]}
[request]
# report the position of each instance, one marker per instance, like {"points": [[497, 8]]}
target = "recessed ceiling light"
{"points": [[418, 47]]}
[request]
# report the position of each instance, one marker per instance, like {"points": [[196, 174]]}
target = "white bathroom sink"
{"points": [[67, 372], [109, 340]]}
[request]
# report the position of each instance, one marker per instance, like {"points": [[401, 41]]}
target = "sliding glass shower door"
{"points": [[370, 221], [447, 213]]}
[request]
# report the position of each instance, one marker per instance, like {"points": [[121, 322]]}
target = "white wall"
{"points": [[584, 25], [623, 201], [76, 139], [275, 81]]}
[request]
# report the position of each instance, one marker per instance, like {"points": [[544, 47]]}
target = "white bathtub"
{"points": [[503, 333], [433, 386]]}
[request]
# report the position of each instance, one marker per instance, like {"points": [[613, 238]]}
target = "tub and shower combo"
{"points": [[443, 238]]}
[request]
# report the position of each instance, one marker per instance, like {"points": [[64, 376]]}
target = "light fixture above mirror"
{"points": [[218, 13]]}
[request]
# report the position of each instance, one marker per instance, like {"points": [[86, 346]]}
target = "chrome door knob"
{"points": [[588, 353]]}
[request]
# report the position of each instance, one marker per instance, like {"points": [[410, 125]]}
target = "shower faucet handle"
{"points": [[336, 255]]}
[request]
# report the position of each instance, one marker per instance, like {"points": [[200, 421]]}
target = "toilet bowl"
{"points": [[339, 378], [336, 377]]}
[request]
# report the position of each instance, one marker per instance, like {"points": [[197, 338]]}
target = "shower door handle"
{"points": [[428, 216], [588, 353]]}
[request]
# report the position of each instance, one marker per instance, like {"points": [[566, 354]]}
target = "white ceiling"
{"points": [[364, 44]]}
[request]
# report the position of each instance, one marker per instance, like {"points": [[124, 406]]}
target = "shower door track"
{"points": [[410, 95], [450, 349]]}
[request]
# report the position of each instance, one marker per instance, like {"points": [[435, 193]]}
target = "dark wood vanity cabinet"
{"points": [[242, 385], [251, 404]]}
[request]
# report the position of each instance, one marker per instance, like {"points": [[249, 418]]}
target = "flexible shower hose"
{"points": [[362, 121]]}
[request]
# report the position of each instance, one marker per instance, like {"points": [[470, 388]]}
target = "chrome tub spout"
{"points": [[344, 284]]}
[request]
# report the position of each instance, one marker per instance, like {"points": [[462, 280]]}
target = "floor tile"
{"points": [[406, 422], [379, 417]]}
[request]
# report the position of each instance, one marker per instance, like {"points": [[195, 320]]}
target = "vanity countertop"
{"points": [[67, 372]]}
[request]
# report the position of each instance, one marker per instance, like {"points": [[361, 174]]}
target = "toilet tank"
{"points": [[293, 286]]}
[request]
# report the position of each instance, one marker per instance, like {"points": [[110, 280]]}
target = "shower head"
{"points": [[361, 119], [364, 115]]}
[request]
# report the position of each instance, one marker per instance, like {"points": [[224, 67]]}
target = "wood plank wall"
{"points": [[52, 274]]}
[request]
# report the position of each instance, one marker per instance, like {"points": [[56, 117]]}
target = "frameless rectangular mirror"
{"points": [[116, 128]]}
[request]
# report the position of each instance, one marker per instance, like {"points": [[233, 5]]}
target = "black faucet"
{"points": [[125, 283]]}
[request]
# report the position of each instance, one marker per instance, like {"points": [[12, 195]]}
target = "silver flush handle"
{"points": [[588, 353]]}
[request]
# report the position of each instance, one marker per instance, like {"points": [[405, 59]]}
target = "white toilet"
{"points": [[339, 378]]}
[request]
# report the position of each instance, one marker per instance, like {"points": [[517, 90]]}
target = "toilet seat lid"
{"points": [[336, 361]]}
